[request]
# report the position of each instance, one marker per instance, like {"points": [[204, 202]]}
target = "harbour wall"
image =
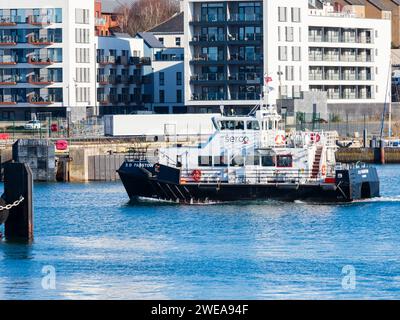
{"points": [[368, 155]]}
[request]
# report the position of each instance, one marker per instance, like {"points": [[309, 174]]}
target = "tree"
{"points": [[143, 15]]}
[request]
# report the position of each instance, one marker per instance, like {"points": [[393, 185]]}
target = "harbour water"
{"points": [[102, 247]]}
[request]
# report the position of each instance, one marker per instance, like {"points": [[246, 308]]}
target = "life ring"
{"points": [[280, 139], [323, 170], [315, 137], [196, 175]]}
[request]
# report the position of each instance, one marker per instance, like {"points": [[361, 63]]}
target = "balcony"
{"points": [[208, 37], [208, 77], [245, 96], [39, 20], [249, 59], [37, 99], [10, 80], [41, 41], [249, 78], [106, 79], [209, 96], [36, 60], [8, 60], [135, 79], [105, 60], [210, 18], [7, 101], [8, 41], [239, 17], [122, 79], [103, 98], [245, 37], [8, 21], [40, 80]]}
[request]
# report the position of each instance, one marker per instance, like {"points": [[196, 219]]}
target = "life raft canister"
{"points": [[196, 175], [280, 139]]}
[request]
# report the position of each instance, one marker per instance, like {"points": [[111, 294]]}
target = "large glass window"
{"points": [[213, 12]]}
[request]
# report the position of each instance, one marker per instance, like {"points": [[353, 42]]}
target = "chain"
{"points": [[15, 204]]}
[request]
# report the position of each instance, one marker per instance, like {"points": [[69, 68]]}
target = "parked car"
{"points": [[33, 124]]}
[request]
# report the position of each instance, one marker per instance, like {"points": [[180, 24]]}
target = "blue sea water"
{"points": [[101, 247]]}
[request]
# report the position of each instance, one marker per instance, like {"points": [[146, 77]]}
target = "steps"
{"points": [[317, 162]]}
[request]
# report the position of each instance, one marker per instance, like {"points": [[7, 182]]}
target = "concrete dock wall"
{"points": [[367, 155]]}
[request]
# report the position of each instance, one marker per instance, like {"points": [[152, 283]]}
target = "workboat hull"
{"points": [[142, 180]]}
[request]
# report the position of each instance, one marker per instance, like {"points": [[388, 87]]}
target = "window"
{"points": [[253, 125], [221, 161], [179, 96], [252, 161], [82, 16], [83, 95], [162, 96], [268, 161], [282, 53], [296, 53], [205, 161], [81, 35], [82, 55], [178, 41], [162, 78], [179, 78], [296, 91], [285, 161], [296, 15], [161, 40], [289, 73], [289, 34], [282, 14], [82, 75]]}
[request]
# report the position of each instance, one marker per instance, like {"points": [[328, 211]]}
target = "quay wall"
{"points": [[368, 155]]}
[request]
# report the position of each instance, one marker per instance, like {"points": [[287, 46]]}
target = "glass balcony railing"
{"points": [[40, 60], [40, 20], [9, 79], [209, 96], [41, 79], [245, 37], [8, 60], [208, 37], [36, 40], [8, 40], [7, 100], [40, 99], [210, 18], [106, 79], [245, 17], [8, 20], [103, 98], [249, 77], [106, 59], [208, 77], [245, 96]]}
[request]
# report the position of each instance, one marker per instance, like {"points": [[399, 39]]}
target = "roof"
{"points": [[380, 5], [172, 25], [111, 6], [150, 40]]}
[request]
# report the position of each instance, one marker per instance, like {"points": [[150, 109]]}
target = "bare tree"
{"points": [[142, 15]]}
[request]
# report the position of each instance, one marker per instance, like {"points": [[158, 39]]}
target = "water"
{"points": [[102, 247]]}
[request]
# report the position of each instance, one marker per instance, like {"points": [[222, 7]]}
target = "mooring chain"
{"points": [[12, 205]]}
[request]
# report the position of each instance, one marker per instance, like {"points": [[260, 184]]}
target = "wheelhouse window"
{"points": [[237, 161], [252, 161], [221, 161], [231, 125], [253, 125], [205, 161], [268, 161], [285, 161]]}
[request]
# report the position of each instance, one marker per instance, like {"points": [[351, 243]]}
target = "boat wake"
{"points": [[380, 199]]}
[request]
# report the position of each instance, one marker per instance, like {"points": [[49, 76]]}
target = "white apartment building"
{"points": [[46, 58], [231, 45], [120, 78]]}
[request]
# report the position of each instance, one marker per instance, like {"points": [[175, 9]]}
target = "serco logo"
{"points": [[238, 139]]}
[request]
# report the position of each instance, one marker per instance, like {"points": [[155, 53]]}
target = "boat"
{"points": [[248, 158]]}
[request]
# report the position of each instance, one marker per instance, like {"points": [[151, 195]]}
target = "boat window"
{"points": [[268, 161], [253, 125], [228, 125], [237, 161], [221, 161], [252, 161], [239, 125], [285, 161], [271, 125], [205, 161]]}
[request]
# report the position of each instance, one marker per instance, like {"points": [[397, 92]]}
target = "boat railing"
{"points": [[256, 176]]}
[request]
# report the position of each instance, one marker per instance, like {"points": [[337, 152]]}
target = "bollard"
{"points": [[17, 183]]}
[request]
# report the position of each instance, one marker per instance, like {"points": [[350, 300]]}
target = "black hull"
{"points": [[142, 182]]}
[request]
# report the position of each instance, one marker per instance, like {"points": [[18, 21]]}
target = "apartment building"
{"points": [[231, 46], [46, 58], [121, 80]]}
